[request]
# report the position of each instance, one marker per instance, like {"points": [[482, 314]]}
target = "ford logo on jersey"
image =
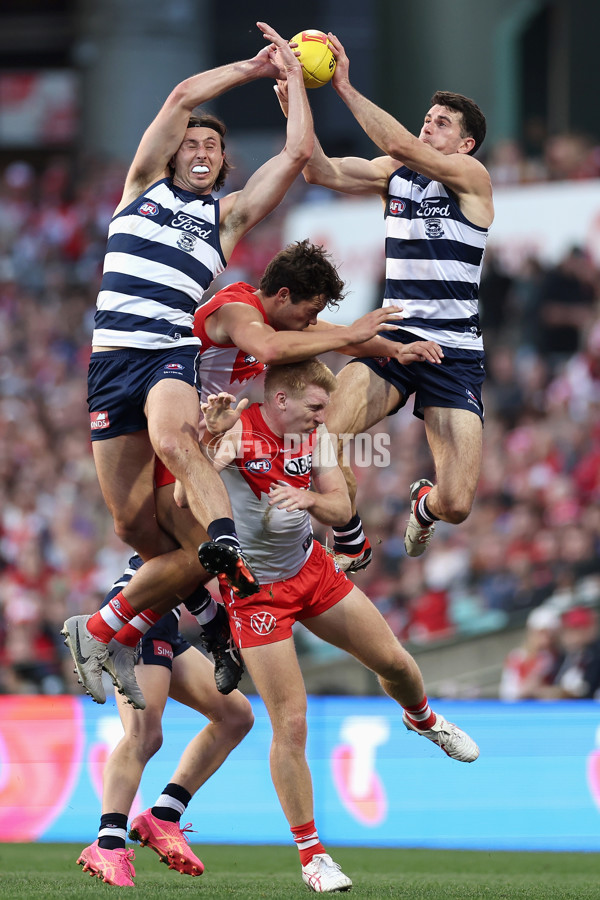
{"points": [[258, 465]]}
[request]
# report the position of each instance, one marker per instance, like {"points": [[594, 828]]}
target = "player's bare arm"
{"points": [[440, 152], [350, 175], [266, 188], [328, 503], [245, 327], [164, 135], [327, 500]]}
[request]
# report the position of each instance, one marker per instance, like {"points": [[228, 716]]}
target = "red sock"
{"points": [[135, 630], [421, 715], [104, 624], [307, 841]]}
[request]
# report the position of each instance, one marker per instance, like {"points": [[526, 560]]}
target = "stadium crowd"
{"points": [[532, 537]]}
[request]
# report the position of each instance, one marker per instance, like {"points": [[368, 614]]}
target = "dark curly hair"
{"points": [[307, 271]]}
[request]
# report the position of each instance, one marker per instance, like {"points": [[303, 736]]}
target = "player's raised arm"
{"points": [[434, 153], [267, 187], [164, 135]]}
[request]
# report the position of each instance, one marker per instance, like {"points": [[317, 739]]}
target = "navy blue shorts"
{"points": [[119, 382], [455, 383], [163, 642]]}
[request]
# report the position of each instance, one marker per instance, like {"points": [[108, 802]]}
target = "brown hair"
{"points": [[473, 120], [307, 271], [294, 378]]}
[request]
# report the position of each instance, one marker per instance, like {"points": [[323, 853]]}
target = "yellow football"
{"points": [[318, 62]]}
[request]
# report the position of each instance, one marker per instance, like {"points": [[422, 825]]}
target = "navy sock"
{"points": [[423, 514], [172, 803], [349, 538], [223, 532], [113, 831]]}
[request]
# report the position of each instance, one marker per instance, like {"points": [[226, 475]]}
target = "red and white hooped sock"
{"points": [[421, 716], [104, 624], [135, 630], [307, 841]]}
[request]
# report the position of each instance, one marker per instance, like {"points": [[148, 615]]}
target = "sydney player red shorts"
{"points": [[267, 617]]}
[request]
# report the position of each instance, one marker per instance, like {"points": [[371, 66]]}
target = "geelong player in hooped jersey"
{"points": [[438, 207], [168, 239], [277, 462]]}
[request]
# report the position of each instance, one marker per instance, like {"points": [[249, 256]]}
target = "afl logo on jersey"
{"points": [[250, 360], [174, 366], [148, 208], [299, 465], [258, 465], [397, 206]]}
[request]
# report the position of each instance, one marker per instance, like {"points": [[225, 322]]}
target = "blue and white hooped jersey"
{"points": [[163, 252], [434, 257]]}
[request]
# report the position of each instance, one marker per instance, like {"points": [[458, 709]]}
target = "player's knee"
{"points": [[240, 720], [397, 670], [169, 449], [153, 743], [293, 732], [138, 533], [148, 742], [455, 512]]}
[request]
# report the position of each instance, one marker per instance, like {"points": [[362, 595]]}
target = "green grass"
{"points": [[268, 873]]}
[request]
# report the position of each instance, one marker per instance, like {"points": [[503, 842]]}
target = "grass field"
{"points": [[49, 871]]}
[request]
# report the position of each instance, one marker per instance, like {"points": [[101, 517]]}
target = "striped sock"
{"points": [[307, 841], [172, 803], [349, 538], [104, 624], [113, 831], [135, 630], [421, 715], [422, 513], [223, 531], [202, 605]]}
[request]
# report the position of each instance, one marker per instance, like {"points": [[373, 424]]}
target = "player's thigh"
{"points": [[356, 626], [154, 683], [455, 439], [173, 412], [179, 521], [193, 685], [125, 468], [276, 674], [361, 400]]}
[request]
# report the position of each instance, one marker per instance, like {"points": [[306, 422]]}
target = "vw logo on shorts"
{"points": [[262, 622]]}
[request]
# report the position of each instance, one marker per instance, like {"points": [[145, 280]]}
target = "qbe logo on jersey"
{"points": [[263, 622]]}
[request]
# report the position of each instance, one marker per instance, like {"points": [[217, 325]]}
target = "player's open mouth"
{"points": [[200, 170]]}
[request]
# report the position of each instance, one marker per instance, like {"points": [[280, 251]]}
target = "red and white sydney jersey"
{"points": [[276, 542], [224, 367]]}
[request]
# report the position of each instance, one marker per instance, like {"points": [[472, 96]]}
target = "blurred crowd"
{"points": [[533, 537]]}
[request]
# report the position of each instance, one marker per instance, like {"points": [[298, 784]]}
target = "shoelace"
{"points": [[186, 828], [126, 863]]}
